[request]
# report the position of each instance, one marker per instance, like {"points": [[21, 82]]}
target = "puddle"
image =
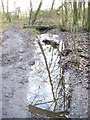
{"points": [[51, 95], [44, 72]]}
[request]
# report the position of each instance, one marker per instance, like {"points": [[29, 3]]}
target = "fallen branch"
{"points": [[36, 110], [86, 57], [40, 28]]}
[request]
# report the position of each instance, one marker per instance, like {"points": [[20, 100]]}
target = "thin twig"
{"points": [[39, 43]]}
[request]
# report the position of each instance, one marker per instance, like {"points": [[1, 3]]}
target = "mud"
{"points": [[21, 67], [17, 58]]}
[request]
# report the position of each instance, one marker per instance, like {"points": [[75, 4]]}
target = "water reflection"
{"points": [[48, 80]]}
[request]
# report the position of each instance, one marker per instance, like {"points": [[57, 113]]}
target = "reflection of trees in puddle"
{"points": [[56, 71]]}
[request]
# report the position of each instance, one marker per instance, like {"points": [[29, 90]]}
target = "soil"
{"points": [[18, 56]]}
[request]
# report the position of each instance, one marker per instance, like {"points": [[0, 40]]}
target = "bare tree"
{"points": [[8, 15], [15, 9], [62, 15], [35, 17], [83, 13], [75, 20], [7, 6], [71, 12], [52, 4], [89, 16], [79, 10], [66, 13], [30, 12], [3, 12], [3, 6]]}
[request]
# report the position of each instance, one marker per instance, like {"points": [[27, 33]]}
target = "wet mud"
{"points": [[25, 79]]}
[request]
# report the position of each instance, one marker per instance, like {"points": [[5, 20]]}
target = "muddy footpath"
{"points": [[18, 58]]}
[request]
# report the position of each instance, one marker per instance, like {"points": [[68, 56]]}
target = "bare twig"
{"points": [[39, 43]]}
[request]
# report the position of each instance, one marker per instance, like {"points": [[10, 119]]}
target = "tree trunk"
{"points": [[79, 10], [62, 15], [3, 7], [75, 20], [71, 17], [66, 17], [83, 13], [8, 15], [52, 4], [35, 17], [89, 16], [30, 12], [3, 12], [7, 6]]}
